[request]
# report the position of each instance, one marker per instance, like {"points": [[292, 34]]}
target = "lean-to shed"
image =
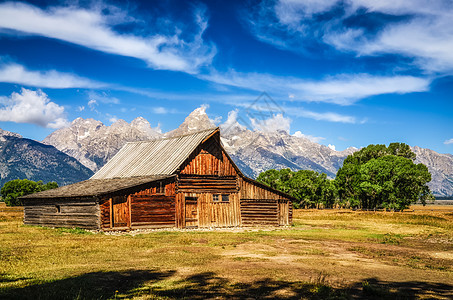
{"points": [[184, 181]]}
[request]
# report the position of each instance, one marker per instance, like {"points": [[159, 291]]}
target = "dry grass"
{"points": [[336, 254]]}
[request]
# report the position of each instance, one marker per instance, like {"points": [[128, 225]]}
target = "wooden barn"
{"points": [[186, 181]]}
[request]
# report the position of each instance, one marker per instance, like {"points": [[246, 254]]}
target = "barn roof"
{"points": [[95, 187], [155, 157]]}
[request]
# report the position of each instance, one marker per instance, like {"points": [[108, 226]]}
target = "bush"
{"points": [[12, 190]]}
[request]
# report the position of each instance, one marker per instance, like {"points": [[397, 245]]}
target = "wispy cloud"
{"points": [[342, 89], [160, 110], [94, 28], [33, 107], [419, 29], [322, 116], [315, 139], [18, 74], [448, 142], [102, 97]]}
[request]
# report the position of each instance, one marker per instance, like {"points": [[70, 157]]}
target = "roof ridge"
{"points": [[174, 137]]}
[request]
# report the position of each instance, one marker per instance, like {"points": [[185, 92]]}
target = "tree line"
{"points": [[376, 176], [12, 190]]}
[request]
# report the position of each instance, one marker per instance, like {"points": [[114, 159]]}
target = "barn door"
{"points": [[120, 211], [191, 211]]}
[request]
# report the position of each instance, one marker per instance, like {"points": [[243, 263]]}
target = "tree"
{"points": [[12, 190], [380, 176], [310, 188]]}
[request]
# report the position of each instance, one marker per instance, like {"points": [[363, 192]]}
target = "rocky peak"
{"points": [[120, 123], [9, 133], [92, 143], [195, 121], [143, 125]]}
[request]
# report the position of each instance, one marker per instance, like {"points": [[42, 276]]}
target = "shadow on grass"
{"points": [[96, 285], [129, 284], [208, 285]]}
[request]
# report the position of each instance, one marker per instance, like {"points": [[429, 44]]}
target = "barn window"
{"points": [[57, 209], [215, 198], [225, 198]]}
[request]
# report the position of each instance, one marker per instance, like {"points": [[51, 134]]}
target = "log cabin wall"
{"points": [[56, 212], [262, 206]]}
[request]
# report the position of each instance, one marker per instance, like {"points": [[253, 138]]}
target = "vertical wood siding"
{"points": [[152, 211], [83, 213], [218, 214], [127, 206], [209, 159]]}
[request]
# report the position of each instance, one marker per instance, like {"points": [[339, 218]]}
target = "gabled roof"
{"points": [[95, 187], [155, 157]]}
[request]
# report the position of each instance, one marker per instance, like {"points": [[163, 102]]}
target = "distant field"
{"points": [[327, 254]]}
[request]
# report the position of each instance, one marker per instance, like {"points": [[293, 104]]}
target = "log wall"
{"points": [[82, 213], [262, 212], [262, 206], [207, 184]]}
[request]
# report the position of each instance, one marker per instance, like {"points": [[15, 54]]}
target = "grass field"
{"points": [[326, 254]]}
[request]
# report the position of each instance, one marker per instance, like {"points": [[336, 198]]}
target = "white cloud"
{"points": [[160, 110], [33, 107], [275, 123], [325, 116], [448, 142], [315, 139], [332, 147], [346, 89], [94, 28], [15, 73], [341, 89], [92, 104], [102, 98], [418, 29], [232, 124]]}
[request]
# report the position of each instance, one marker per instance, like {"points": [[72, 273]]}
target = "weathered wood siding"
{"points": [[209, 159], [83, 213], [205, 212], [262, 206], [207, 184], [150, 205], [152, 211], [260, 212], [219, 213], [285, 212]]}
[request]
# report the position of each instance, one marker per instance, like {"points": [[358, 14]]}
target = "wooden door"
{"points": [[120, 211], [191, 211]]}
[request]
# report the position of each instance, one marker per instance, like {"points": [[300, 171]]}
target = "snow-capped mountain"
{"points": [[93, 143], [195, 121]]}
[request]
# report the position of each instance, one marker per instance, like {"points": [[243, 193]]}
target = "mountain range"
{"points": [[24, 158], [92, 144]]}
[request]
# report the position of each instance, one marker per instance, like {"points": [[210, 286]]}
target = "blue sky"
{"points": [[343, 73]]}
